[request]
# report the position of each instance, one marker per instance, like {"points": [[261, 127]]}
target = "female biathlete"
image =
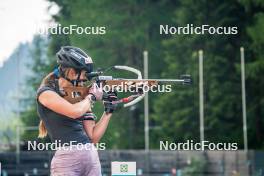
{"points": [[72, 124]]}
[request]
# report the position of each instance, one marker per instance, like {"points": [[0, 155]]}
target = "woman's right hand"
{"points": [[96, 91]]}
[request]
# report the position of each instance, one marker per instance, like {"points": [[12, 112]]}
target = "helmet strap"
{"points": [[76, 81], [59, 72], [78, 77]]}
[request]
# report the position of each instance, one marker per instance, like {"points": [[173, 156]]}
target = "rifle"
{"points": [[74, 94]]}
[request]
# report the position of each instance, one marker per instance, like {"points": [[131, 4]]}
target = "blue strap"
{"points": [[56, 72]]}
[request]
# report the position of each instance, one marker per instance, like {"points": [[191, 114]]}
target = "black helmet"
{"points": [[73, 57]]}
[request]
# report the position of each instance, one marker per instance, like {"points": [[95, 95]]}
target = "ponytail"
{"points": [[42, 130], [46, 81]]}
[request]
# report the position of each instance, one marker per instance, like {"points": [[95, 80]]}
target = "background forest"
{"points": [[132, 26]]}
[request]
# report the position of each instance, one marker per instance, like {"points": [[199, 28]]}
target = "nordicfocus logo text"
{"points": [[200, 30], [140, 87], [71, 29], [204, 145], [58, 145]]}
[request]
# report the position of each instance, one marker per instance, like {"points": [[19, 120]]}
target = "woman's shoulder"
{"points": [[44, 88]]}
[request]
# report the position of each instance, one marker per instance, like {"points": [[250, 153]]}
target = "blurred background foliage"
{"points": [[132, 26]]}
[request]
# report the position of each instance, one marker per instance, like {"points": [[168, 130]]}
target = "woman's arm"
{"points": [[95, 131], [53, 101]]}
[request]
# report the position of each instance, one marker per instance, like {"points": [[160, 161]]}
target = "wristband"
{"points": [[88, 116]]}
